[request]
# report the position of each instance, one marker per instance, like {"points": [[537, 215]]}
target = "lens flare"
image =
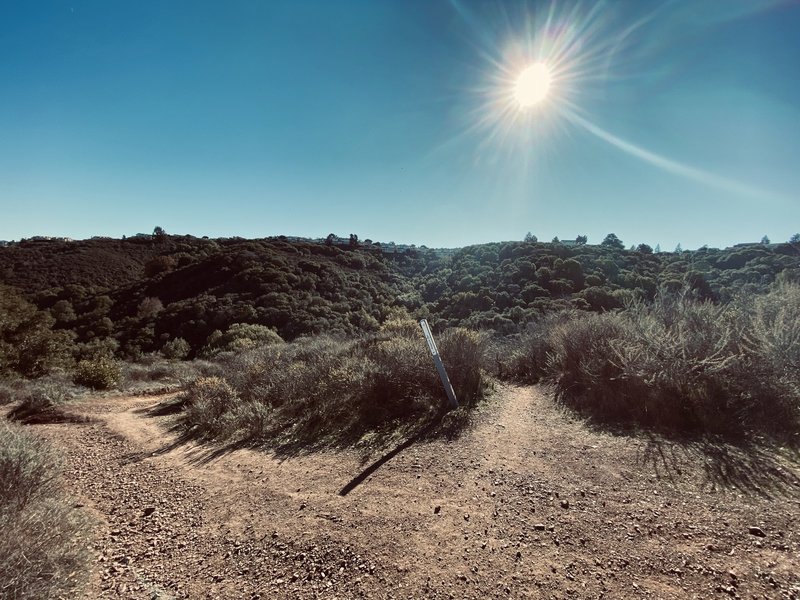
{"points": [[556, 60]]}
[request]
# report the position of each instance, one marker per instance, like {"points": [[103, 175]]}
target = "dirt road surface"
{"points": [[526, 503]]}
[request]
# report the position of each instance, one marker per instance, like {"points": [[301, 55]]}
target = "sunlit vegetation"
{"points": [[679, 330], [43, 546], [320, 391], [675, 363]]}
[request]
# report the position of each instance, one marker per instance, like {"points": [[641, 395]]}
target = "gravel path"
{"points": [[528, 503]]}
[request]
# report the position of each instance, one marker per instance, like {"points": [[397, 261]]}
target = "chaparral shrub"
{"points": [[101, 373]]}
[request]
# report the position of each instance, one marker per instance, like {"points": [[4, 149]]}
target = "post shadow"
{"points": [[421, 433]]}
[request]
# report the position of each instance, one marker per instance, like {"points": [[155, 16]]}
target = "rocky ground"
{"points": [[525, 503]]}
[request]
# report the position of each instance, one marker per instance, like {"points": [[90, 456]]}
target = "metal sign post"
{"points": [[437, 360]]}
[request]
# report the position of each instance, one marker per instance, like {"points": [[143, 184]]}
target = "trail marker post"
{"points": [[437, 360]]}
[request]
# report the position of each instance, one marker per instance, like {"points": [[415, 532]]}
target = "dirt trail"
{"points": [[526, 503]]}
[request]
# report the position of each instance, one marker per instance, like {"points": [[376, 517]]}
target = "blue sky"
{"points": [[667, 122]]}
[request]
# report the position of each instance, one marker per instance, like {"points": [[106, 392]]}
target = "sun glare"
{"points": [[532, 85]]}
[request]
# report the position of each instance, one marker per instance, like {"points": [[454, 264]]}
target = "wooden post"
{"points": [[437, 360]]}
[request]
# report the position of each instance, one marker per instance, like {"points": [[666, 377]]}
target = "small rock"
{"points": [[565, 504], [539, 527], [437, 510], [149, 511], [757, 531]]}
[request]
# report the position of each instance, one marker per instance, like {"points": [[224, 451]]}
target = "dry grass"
{"points": [[42, 547]]}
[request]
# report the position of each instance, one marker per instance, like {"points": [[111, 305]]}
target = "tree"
{"points": [[329, 239], [795, 239], [612, 241], [556, 240], [678, 248], [159, 264], [581, 240], [644, 249], [28, 345], [353, 240], [177, 349], [529, 237], [159, 234], [657, 249], [765, 240]]}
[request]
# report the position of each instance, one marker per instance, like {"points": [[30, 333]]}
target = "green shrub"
{"points": [[28, 344], [176, 349], [101, 373], [238, 337], [43, 547]]}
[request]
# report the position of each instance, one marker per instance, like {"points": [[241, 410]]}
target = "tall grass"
{"points": [[42, 546], [684, 364], [324, 390]]}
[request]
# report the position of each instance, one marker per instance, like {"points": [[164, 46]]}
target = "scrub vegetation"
{"points": [[674, 363], [43, 546], [297, 339], [323, 391]]}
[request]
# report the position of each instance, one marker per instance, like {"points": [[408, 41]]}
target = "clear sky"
{"points": [[665, 122]]}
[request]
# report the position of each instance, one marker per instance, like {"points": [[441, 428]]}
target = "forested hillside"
{"points": [[181, 295]]}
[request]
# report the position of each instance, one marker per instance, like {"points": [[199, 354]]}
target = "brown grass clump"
{"points": [[42, 547]]}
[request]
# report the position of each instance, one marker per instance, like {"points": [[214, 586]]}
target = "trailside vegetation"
{"points": [[43, 546], [675, 339]]}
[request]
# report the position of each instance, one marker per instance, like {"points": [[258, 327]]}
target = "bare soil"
{"points": [[527, 503]]}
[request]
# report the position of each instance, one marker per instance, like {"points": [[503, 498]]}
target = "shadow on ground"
{"points": [[34, 415], [753, 467], [386, 442]]}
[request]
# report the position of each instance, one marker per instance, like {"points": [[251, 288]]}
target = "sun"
{"points": [[532, 85]]}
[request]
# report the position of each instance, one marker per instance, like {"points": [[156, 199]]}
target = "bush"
{"points": [[43, 546], [238, 337], [524, 357], [101, 373], [685, 364], [208, 401], [462, 353], [9, 392], [176, 349], [327, 390]]}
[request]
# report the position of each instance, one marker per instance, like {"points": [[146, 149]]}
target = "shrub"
{"points": [[28, 344], [208, 400], [9, 392], [462, 354], [327, 390], [238, 337], [101, 373], [681, 363], [524, 358], [43, 546], [176, 349]]}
